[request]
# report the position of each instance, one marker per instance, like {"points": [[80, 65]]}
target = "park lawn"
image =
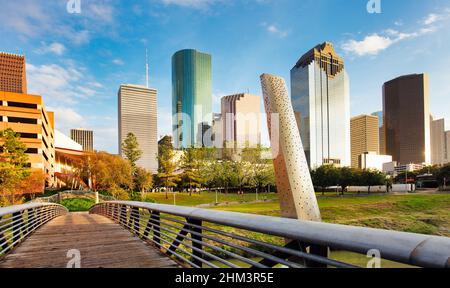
{"points": [[183, 199], [78, 204], [426, 214]]}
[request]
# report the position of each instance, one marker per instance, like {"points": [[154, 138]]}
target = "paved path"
{"points": [[101, 242]]}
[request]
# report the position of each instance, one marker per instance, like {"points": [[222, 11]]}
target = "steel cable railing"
{"points": [[18, 222], [206, 238]]}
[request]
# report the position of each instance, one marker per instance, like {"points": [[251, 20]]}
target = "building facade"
{"points": [[191, 97], [26, 115], [241, 114], [438, 141], [364, 137], [373, 161], [83, 137], [380, 116], [13, 76], [69, 155], [217, 130], [407, 119], [138, 115], [447, 147], [321, 101]]}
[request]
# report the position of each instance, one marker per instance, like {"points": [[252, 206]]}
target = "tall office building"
{"points": [[364, 137], [321, 101], [138, 115], [83, 137], [380, 116], [241, 114], [191, 97], [437, 141], [217, 130], [13, 76], [407, 119], [447, 147]]}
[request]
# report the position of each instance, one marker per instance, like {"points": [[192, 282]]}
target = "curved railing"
{"points": [[18, 222], [209, 238]]}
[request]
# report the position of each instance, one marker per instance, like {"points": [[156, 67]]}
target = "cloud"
{"points": [[118, 62], [164, 121], [275, 30], [55, 48], [103, 12], [375, 43], [196, 4], [67, 118], [60, 85]]}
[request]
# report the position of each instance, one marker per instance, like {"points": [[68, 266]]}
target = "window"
{"points": [[28, 135], [32, 151], [22, 105], [22, 120]]}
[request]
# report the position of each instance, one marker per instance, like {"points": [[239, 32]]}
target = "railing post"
{"points": [[134, 214], [123, 215], [197, 238], [30, 217], [3, 241], [156, 221]]}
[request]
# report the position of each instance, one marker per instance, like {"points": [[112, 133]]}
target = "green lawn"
{"points": [[78, 204]]}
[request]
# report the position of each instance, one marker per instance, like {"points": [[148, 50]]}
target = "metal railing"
{"points": [[58, 197], [203, 238], [18, 222]]}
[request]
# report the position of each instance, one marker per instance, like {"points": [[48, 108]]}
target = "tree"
{"points": [[443, 176], [166, 173], [13, 165], [143, 180], [130, 148], [325, 176], [261, 172], [346, 177], [372, 178], [190, 163]]}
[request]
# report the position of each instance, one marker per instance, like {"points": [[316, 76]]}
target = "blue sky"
{"points": [[78, 61]]}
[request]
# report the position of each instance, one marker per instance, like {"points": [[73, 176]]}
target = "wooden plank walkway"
{"points": [[101, 242]]}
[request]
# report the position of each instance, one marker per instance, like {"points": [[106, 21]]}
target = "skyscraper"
{"points": [[364, 137], [241, 114], [321, 101], [13, 76], [138, 115], [83, 137], [191, 97], [380, 116], [437, 141], [447, 147], [407, 119]]}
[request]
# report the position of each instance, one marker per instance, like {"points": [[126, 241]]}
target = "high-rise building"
{"points": [[380, 116], [241, 114], [13, 76], [437, 141], [26, 115], [321, 101], [217, 130], [364, 137], [407, 119], [83, 137], [447, 147], [191, 97], [138, 115]]}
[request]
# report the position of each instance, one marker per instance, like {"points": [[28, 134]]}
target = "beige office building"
{"points": [[83, 137], [138, 115], [447, 147], [407, 119], [437, 141], [364, 131], [241, 120]]}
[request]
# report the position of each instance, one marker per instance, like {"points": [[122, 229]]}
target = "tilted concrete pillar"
{"points": [[295, 187]]}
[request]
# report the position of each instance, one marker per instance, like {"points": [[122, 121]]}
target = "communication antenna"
{"points": [[146, 67]]}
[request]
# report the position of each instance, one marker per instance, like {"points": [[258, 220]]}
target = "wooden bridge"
{"points": [[39, 235]]}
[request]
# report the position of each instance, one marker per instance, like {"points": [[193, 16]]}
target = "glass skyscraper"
{"points": [[191, 97], [321, 101]]}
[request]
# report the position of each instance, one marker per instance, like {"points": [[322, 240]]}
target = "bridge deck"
{"points": [[101, 242]]}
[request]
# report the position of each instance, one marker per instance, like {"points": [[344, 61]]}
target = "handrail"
{"points": [[20, 221], [163, 221]]}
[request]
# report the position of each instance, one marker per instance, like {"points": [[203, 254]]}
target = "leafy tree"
{"points": [[13, 165], [443, 175], [143, 180], [372, 178], [261, 172], [325, 176], [347, 177], [130, 148], [166, 173], [190, 163]]}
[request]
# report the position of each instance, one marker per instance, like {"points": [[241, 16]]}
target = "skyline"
{"points": [[86, 63]]}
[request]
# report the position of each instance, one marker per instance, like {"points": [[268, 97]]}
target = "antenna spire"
{"points": [[146, 67]]}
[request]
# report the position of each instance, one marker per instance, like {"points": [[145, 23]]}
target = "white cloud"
{"points": [[164, 121], [374, 43], [197, 4], [275, 30], [55, 48], [67, 118], [103, 12], [118, 62]]}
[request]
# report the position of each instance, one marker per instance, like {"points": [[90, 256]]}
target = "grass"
{"points": [[78, 204]]}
